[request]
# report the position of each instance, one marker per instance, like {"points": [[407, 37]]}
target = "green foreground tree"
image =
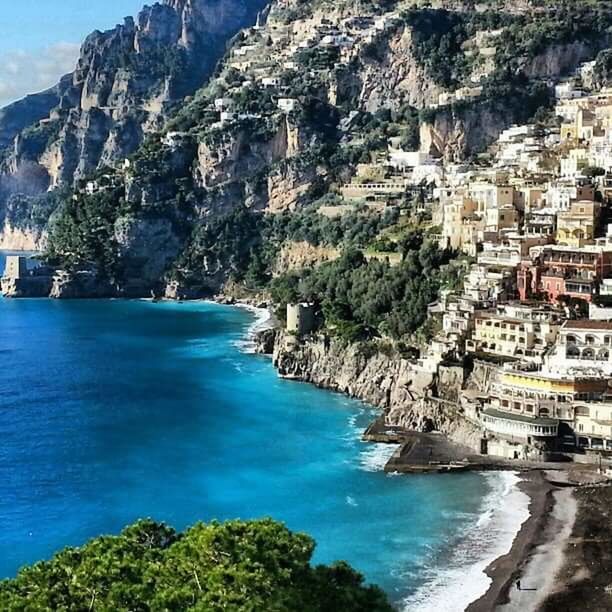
{"points": [[234, 566]]}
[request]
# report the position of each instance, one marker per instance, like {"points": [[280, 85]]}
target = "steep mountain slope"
{"points": [[296, 104], [126, 81], [19, 115]]}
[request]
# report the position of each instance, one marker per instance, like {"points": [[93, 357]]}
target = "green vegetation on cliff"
{"points": [[361, 298], [262, 158], [440, 36], [245, 244], [257, 565]]}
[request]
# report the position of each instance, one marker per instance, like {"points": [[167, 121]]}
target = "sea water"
{"points": [[114, 410]]}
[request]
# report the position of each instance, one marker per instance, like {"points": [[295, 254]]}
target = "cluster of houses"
{"points": [[536, 304], [270, 51], [537, 301]]}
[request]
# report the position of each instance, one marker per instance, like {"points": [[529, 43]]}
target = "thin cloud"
{"points": [[23, 72]]}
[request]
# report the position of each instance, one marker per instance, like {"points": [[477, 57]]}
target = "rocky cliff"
{"points": [[407, 395], [125, 82], [31, 109], [21, 239], [299, 100]]}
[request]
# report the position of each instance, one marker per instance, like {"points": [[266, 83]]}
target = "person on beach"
{"points": [[518, 585]]}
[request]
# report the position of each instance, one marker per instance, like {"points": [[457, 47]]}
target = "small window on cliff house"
{"points": [[588, 354], [573, 352]]}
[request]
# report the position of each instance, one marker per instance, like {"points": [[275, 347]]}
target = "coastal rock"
{"points": [[403, 391], [29, 287], [86, 284], [265, 341], [146, 247], [21, 239]]}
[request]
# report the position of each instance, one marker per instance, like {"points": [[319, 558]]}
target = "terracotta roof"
{"points": [[588, 324]]}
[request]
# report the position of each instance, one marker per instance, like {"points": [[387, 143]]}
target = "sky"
{"points": [[40, 39]]}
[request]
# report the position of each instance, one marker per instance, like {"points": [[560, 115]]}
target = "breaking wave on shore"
{"points": [[247, 343], [454, 582]]}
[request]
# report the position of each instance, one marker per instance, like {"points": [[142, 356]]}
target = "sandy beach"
{"points": [[506, 569], [554, 553]]}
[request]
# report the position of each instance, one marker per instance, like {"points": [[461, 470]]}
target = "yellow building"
{"points": [[576, 226], [520, 332], [532, 391], [584, 127], [461, 225]]}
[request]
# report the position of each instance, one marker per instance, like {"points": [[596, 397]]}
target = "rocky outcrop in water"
{"points": [[409, 396]]}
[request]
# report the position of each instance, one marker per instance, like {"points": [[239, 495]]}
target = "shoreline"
{"points": [[506, 569], [537, 547]]}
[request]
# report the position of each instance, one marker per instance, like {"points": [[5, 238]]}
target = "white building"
{"points": [[287, 105]]}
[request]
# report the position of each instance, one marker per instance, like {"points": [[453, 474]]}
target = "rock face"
{"points": [[125, 82], [393, 76], [30, 287], [454, 134], [302, 255], [19, 115], [146, 246], [66, 285], [408, 396], [21, 239], [559, 60]]}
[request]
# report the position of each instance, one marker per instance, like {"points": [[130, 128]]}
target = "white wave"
{"points": [[247, 344], [462, 580], [351, 501], [375, 456]]}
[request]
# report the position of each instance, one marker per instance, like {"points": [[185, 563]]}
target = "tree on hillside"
{"points": [[255, 566]]}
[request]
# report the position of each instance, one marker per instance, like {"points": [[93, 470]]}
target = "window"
{"points": [[572, 352]]}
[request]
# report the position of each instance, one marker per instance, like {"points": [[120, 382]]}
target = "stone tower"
{"points": [[300, 318], [16, 267]]}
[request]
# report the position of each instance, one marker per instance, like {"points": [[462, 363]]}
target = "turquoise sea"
{"points": [[114, 410]]}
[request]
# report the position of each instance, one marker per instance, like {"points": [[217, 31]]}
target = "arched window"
{"points": [[573, 352], [582, 411], [570, 339], [603, 355], [590, 339], [588, 354]]}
